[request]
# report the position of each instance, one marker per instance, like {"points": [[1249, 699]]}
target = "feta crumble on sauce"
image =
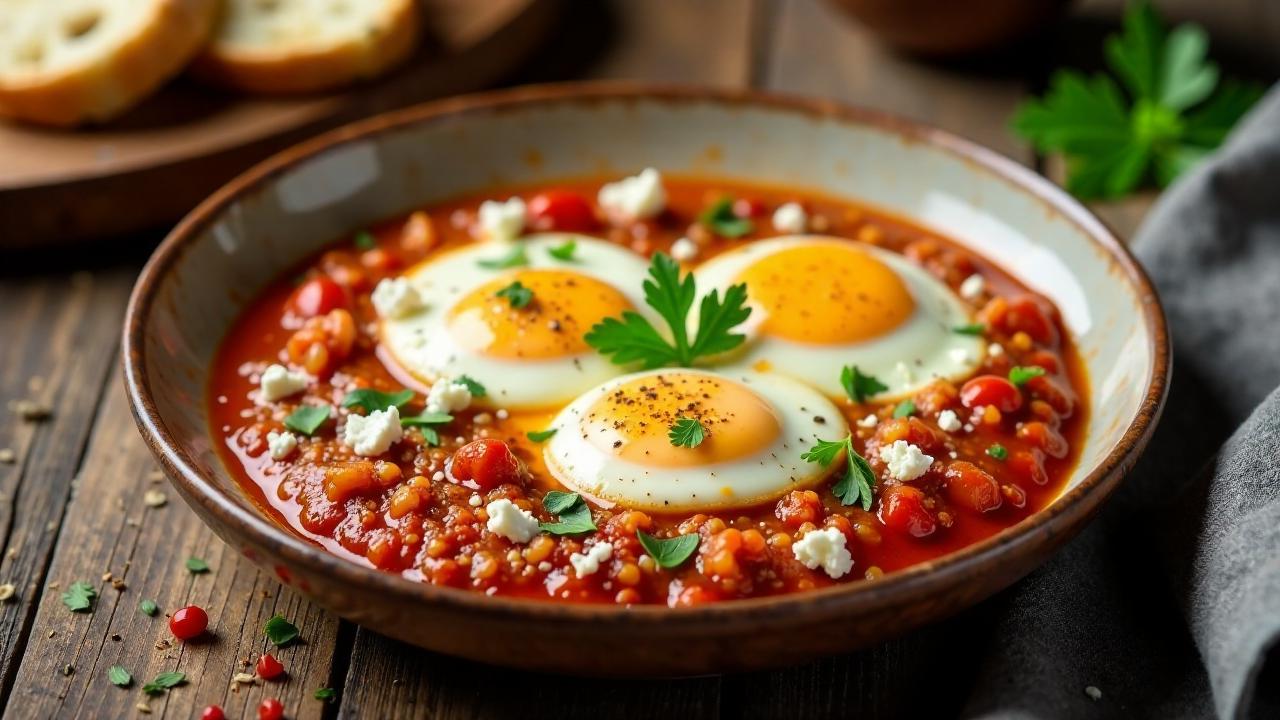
{"points": [[448, 477]]}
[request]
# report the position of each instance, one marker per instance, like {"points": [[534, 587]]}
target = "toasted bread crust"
{"points": [[299, 69], [123, 76]]}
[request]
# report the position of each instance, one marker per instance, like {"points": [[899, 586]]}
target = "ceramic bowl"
{"points": [[271, 217]]}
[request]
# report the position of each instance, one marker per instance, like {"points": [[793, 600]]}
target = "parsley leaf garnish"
{"points": [[998, 451], [374, 400], [855, 483], [79, 597], [669, 552], [1020, 374], [325, 694], [1175, 113], [970, 329], [515, 258], [119, 676], [632, 339], [904, 409], [279, 631], [163, 682], [365, 240], [307, 419], [687, 432], [517, 294], [148, 608], [540, 435], [565, 251], [476, 389], [575, 516], [859, 387], [721, 220], [427, 423], [197, 566]]}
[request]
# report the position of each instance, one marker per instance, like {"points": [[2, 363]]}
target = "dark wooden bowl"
{"points": [[269, 218]]}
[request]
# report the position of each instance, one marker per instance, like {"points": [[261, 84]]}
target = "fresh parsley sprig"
{"points": [[1177, 110], [856, 482], [516, 294], [687, 432], [633, 339], [375, 400], [723, 221], [574, 514], [858, 386], [669, 552]]}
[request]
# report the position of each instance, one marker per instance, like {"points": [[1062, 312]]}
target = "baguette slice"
{"points": [[299, 46], [67, 62]]}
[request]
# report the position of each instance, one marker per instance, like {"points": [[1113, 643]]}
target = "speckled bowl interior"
{"points": [[267, 221]]}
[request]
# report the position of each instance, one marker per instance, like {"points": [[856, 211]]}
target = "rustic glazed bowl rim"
{"points": [[1068, 511]]}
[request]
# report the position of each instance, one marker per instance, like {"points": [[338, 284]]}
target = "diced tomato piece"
{"points": [[269, 668], [690, 596], [213, 712], [271, 709], [1023, 313], [318, 296], [1049, 390], [561, 210], [902, 509], [344, 480], [1044, 437], [991, 390], [749, 207], [1028, 465], [799, 507], [971, 487], [911, 429], [936, 397], [188, 622], [485, 464]]}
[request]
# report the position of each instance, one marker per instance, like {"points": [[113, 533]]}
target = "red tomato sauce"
{"points": [[403, 512]]}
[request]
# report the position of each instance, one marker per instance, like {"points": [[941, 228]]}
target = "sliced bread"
{"points": [[295, 46], [68, 62]]}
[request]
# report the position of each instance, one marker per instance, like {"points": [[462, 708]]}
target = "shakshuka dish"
{"points": [[648, 390]]}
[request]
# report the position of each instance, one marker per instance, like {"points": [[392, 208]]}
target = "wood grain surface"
{"points": [[72, 496]]}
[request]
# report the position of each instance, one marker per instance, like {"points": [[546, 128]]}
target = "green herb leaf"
{"points": [[721, 220], [376, 400], [904, 409], [859, 387], [632, 339], [1177, 110], [79, 597], [565, 251], [1020, 374], [855, 484], [574, 514], [515, 258], [687, 432], [279, 631], [307, 419], [163, 682], [669, 552], [148, 608], [476, 389], [426, 420], [971, 329], [517, 294], [540, 435], [119, 676], [998, 451], [197, 566], [325, 694], [365, 240]]}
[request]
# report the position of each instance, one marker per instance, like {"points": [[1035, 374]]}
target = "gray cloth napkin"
{"points": [[1169, 603]]}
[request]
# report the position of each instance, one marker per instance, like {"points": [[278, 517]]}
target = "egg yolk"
{"points": [[633, 421], [827, 294], [562, 308]]}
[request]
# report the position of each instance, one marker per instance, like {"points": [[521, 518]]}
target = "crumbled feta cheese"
{"points": [[1093, 692], [281, 444], [790, 218], [869, 421], [948, 420], [396, 298], [826, 549], [589, 563], [995, 350], [972, 287], [439, 475], [373, 434], [474, 500], [684, 249], [448, 396], [544, 566], [502, 220], [511, 522], [634, 198], [968, 427], [502, 414], [905, 461], [482, 418], [959, 356], [278, 382]]}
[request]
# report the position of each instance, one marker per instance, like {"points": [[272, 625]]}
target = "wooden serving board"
{"points": [[160, 159]]}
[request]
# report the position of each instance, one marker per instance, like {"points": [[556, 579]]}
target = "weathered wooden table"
{"points": [[72, 485]]}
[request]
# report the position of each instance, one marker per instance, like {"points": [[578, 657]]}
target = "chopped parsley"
{"points": [[1021, 374], [970, 329], [856, 482], [476, 389], [687, 432], [574, 515], [119, 676], [307, 419], [565, 251], [148, 608], [515, 258], [517, 294], [669, 552], [997, 451], [427, 423], [79, 597], [375, 400], [721, 220], [540, 435], [859, 387], [906, 408], [163, 682], [279, 631], [365, 240], [197, 566], [632, 339]]}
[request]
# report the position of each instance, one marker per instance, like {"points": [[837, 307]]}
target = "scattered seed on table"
{"points": [[6, 591], [8, 456], [30, 410], [154, 498]]}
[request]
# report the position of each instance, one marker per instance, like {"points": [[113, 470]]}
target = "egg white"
{"points": [[423, 345], [585, 463], [907, 358]]}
